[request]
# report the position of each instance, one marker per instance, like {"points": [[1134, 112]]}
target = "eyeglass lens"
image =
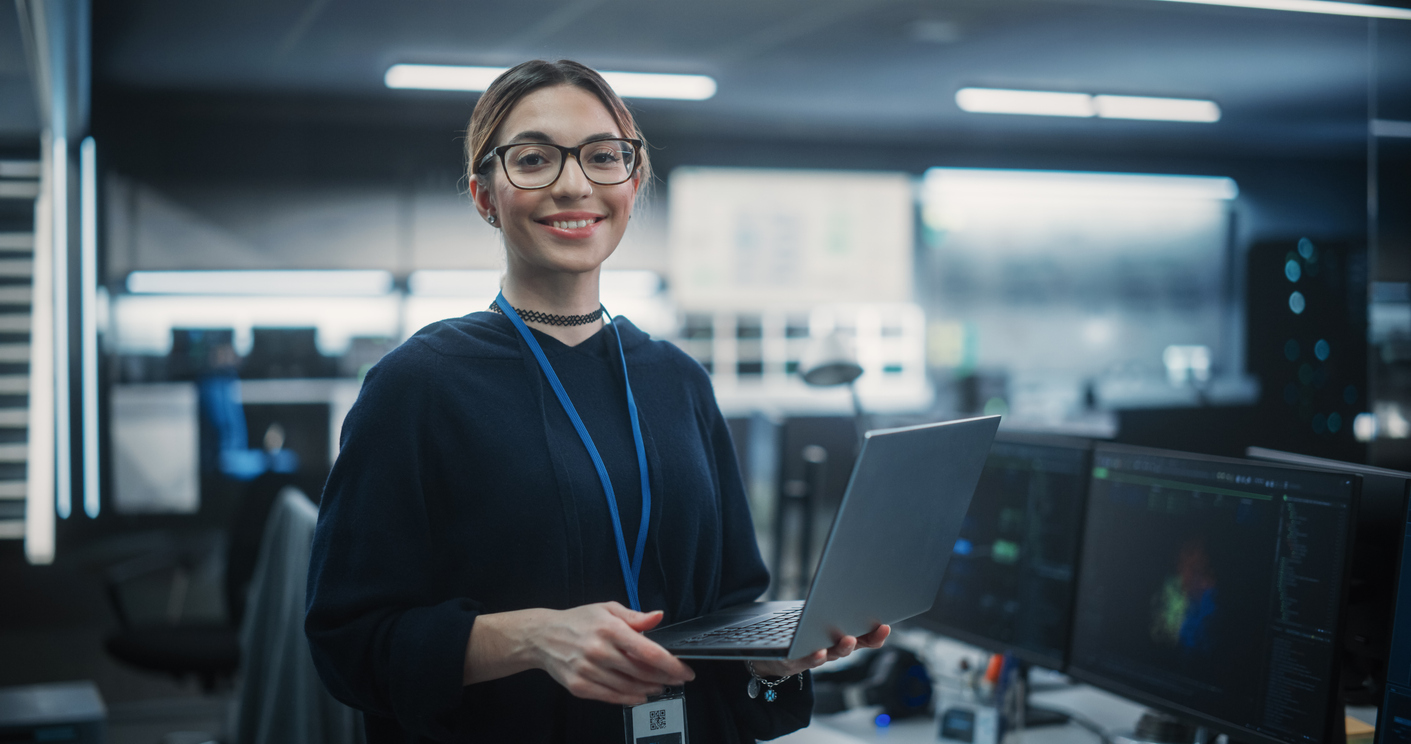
{"points": [[605, 162]]}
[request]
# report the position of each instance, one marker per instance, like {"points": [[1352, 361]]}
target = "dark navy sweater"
{"points": [[461, 488]]}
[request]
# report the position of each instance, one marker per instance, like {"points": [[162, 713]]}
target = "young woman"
{"points": [[522, 492]]}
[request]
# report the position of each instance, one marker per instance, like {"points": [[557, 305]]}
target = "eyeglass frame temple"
{"points": [[565, 151]]}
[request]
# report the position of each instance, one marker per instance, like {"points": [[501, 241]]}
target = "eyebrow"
{"points": [[533, 135]]}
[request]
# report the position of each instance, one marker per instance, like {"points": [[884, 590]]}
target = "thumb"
{"points": [[641, 621]]}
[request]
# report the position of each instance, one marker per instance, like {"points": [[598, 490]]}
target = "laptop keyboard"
{"points": [[772, 631]]}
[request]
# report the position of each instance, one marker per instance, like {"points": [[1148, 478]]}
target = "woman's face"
{"points": [[569, 116]]}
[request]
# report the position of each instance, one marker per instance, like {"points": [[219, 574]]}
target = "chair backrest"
{"points": [[246, 532], [280, 695]]}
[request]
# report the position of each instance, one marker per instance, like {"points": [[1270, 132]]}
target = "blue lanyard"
{"points": [[632, 570]]}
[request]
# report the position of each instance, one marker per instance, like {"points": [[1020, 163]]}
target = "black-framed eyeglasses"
{"points": [[537, 165]]}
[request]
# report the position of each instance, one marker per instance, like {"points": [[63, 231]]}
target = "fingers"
{"points": [[791, 666], [623, 688], [652, 656], [644, 654], [637, 657], [609, 687], [843, 647], [876, 638]]}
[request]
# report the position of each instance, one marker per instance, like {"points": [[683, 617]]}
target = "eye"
{"points": [[530, 157], [605, 154]]}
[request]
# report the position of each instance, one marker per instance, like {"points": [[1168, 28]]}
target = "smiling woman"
{"points": [[491, 520]]}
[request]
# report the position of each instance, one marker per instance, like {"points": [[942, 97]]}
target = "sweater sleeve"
{"points": [[383, 638], [743, 579]]}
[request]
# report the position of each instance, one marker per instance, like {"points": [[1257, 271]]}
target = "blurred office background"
{"points": [[215, 217]]}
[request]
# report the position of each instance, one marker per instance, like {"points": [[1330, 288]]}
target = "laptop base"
{"points": [[672, 636]]}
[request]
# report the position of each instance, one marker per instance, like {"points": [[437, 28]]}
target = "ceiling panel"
{"points": [[888, 68]]}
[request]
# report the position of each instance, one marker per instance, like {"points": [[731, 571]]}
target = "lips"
{"points": [[571, 224]]}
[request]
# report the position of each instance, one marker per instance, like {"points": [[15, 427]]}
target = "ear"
{"points": [[482, 195], [636, 188]]}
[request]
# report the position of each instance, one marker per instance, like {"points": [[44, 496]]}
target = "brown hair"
{"points": [[519, 81]]}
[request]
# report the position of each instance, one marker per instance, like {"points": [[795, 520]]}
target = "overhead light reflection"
{"points": [[1312, 6], [627, 84], [1084, 105], [1029, 102], [1156, 109]]}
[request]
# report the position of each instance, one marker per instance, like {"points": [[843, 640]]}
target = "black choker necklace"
{"points": [[534, 316]]}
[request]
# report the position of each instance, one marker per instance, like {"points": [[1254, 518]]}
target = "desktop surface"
{"points": [[1213, 587], [1009, 585]]}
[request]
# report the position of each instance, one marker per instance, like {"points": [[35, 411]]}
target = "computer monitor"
{"points": [[1381, 522], [195, 351], [1009, 585], [1394, 720], [1212, 589]]}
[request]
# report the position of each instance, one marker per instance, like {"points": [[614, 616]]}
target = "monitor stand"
{"points": [[1035, 716], [1162, 728]]}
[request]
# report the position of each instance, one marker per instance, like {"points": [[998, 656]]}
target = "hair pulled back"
{"points": [[519, 81]]}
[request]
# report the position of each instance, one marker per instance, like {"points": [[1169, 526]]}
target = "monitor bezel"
{"points": [[1025, 655], [1380, 734], [1311, 462], [1334, 718]]}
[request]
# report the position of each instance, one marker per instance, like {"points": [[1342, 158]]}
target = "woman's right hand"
{"points": [[598, 652]]}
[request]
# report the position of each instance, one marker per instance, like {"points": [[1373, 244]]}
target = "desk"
{"points": [[856, 726], [1116, 715]]}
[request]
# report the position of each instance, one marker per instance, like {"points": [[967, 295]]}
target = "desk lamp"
{"points": [[826, 362], [829, 362]]}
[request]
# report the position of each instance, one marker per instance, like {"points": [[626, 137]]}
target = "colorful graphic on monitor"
{"points": [[1184, 605]]}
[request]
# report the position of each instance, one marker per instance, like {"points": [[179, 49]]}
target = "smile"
{"points": [[570, 224]]}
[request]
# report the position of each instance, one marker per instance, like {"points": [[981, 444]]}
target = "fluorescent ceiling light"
{"points": [[441, 77], [1312, 6], [655, 85], [1001, 185], [1083, 105], [627, 84], [1390, 128], [1031, 102], [288, 283], [1156, 109]]}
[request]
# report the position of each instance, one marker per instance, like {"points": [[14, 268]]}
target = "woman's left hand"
{"points": [[844, 646]]}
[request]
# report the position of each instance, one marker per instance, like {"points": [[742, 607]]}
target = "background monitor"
{"points": [[1381, 522], [1009, 585], [1394, 720], [1212, 588]]}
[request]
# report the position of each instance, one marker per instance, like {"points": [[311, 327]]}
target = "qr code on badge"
{"points": [[656, 719]]}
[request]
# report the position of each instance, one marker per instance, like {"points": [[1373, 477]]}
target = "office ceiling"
{"points": [[1288, 83]]}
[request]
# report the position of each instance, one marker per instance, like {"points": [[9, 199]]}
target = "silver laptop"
{"points": [[885, 556]]}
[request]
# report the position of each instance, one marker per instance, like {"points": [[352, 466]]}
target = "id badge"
{"points": [[660, 720]]}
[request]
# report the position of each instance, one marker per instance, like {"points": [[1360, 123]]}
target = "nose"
{"points": [[572, 183]]}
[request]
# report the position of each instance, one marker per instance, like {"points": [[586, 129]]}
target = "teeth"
{"points": [[571, 224]]}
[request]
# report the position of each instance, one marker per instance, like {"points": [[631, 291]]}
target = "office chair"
{"points": [[208, 651]]}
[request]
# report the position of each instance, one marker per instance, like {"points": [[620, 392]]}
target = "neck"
{"points": [[555, 293]]}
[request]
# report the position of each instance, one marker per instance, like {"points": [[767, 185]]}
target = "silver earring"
{"points": [[491, 218]]}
